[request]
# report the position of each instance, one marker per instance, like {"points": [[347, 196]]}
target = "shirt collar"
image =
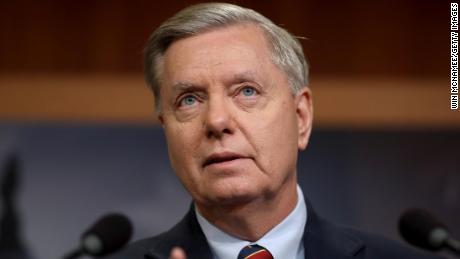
{"points": [[283, 241]]}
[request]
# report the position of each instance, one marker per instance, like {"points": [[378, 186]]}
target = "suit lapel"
{"points": [[188, 235], [324, 240]]}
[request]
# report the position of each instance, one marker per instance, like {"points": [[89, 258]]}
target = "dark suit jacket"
{"points": [[322, 240]]}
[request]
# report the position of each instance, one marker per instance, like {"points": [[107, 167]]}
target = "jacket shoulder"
{"points": [[186, 234], [143, 248]]}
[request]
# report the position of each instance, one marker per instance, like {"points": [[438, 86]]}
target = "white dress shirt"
{"points": [[284, 241]]}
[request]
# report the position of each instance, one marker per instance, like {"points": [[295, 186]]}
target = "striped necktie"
{"points": [[254, 252]]}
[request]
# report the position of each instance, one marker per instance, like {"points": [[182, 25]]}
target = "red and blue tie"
{"points": [[254, 252]]}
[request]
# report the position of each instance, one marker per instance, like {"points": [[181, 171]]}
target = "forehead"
{"points": [[227, 47]]}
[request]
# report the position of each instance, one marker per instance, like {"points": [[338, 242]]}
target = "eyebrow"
{"points": [[237, 78], [246, 76], [185, 86]]}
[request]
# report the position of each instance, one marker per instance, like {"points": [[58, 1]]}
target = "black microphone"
{"points": [[420, 228], [107, 235]]}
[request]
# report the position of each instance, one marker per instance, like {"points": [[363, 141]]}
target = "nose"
{"points": [[219, 120]]}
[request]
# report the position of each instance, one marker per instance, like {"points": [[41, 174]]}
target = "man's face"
{"points": [[232, 124]]}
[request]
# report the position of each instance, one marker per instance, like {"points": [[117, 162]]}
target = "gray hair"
{"points": [[286, 50]]}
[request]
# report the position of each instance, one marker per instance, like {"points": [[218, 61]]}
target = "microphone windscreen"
{"points": [[417, 226], [111, 232]]}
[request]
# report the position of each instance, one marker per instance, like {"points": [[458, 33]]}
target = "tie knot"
{"points": [[254, 252]]}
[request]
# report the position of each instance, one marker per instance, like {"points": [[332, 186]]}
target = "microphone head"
{"points": [[107, 235], [419, 228]]}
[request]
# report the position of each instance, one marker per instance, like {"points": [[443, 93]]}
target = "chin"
{"points": [[230, 194]]}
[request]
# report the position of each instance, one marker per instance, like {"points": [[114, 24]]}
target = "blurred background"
{"points": [[79, 121]]}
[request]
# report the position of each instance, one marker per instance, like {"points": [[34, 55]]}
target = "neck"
{"points": [[252, 220]]}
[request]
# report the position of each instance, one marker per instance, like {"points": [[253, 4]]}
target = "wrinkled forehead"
{"points": [[255, 36], [228, 47]]}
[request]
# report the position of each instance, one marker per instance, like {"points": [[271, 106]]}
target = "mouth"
{"points": [[221, 158]]}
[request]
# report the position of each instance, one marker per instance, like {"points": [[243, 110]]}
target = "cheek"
{"points": [[275, 138], [182, 143]]}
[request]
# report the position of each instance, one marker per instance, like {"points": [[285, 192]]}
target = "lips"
{"points": [[221, 157]]}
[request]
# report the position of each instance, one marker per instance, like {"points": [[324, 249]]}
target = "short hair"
{"points": [[287, 53]]}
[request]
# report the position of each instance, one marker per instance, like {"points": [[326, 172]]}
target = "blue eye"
{"points": [[248, 91], [188, 100]]}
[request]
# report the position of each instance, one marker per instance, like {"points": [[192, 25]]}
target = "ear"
{"points": [[161, 119], [159, 113], [304, 116]]}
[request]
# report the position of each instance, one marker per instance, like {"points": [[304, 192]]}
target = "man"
{"points": [[232, 97]]}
